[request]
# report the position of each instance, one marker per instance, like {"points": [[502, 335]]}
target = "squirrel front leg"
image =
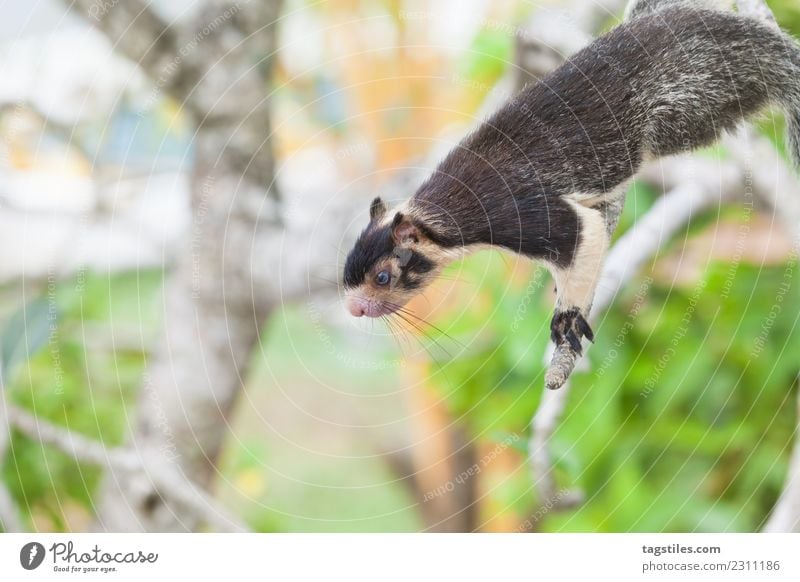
{"points": [[576, 283]]}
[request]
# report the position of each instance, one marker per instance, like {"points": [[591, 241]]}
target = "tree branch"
{"points": [[166, 478], [785, 515], [752, 158], [9, 517], [564, 358], [667, 216], [134, 29], [557, 31], [753, 169]]}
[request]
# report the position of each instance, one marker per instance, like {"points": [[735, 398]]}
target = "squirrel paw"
{"points": [[570, 326]]}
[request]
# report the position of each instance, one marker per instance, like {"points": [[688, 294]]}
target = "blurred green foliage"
{"points": [[787, 12], [684, 422], [80, 374], [699, 443]]}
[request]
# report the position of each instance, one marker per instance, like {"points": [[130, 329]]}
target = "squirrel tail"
{"points": [[793, 132], [785, 75], [778, 59]]}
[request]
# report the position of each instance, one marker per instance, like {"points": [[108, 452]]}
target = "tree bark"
{"points": [[218, 69]]}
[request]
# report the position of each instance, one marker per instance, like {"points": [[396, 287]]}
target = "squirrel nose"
{"points": [[356, 306]]}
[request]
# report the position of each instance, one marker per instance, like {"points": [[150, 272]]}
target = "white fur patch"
{"points": [[576, 284]]}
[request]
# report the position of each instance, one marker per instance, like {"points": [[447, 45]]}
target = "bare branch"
{"points": [[557, 31], [752, 156], [785, 515], [134, 29], [9, 517], [9, 521], [669, 214], [774, 181], [776, 185], [564, 357], [165, 477], [753, 169]]}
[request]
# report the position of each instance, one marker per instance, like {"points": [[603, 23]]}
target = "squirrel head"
{"points": [[392, 261]]}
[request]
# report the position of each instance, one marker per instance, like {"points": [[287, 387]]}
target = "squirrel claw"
{"points": [[570, 326]]}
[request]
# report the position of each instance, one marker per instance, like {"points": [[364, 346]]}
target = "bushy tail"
{"points": [[793, 133], [784, 70], [778, 59], [789, 87]]}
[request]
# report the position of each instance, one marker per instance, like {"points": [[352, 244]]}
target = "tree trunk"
{"points": [[211, 324], [218, 69]]}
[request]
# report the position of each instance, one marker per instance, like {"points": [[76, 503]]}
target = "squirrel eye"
{"points": [[382, 278]]}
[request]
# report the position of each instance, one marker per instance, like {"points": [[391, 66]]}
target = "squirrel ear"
{"points": [[404, 230], [377, 208]]}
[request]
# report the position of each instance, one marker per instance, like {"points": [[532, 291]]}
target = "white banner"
{"points": [[401, 557]]}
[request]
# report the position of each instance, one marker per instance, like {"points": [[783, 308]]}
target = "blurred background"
{"points": [[179, 184]]}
